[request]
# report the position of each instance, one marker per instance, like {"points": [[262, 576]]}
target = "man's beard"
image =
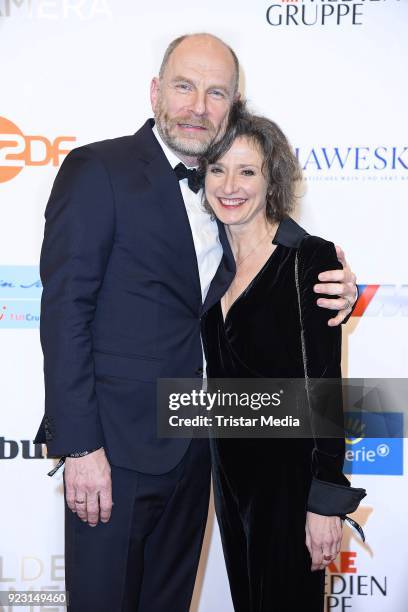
{"points": [[191, 147]]}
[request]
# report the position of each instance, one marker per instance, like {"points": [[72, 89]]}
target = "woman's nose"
{"points": [[230, 185]]}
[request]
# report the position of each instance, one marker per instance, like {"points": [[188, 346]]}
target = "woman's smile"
{"points": [[232, 202]]}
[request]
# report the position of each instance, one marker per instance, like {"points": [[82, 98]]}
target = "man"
{"points": [[130, 263]]}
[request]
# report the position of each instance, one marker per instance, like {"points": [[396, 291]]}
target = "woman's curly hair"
{"points": [[280, 165]]}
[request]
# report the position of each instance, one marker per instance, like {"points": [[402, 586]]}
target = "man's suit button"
{"points": [[199, 371], [47, 429]]}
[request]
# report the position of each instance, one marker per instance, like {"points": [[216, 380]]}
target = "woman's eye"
{"points": [[215, 170], [248, 172]]}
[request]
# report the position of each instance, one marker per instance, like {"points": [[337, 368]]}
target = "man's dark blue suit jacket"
{"points": [[121, 303]]}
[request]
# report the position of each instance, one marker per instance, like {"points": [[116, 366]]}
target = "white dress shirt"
{"points": [[203, 228]]}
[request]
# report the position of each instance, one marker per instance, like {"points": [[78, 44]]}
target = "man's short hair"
{"points": [[177, 41]]}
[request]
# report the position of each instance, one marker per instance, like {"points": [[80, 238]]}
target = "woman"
{"points": [[278, 501]]}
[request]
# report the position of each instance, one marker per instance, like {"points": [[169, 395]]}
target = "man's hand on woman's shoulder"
{"points": [[339, 283]]}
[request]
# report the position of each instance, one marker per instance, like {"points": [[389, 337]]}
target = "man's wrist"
{"points": [[82, 453], [71, 456]]}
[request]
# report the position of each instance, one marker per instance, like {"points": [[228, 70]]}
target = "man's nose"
{"points": [[198, 103]]}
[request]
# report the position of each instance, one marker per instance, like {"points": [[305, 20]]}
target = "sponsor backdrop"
{"points": [[332, 74]]}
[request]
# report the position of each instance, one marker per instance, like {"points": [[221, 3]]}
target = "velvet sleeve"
{"points": [[330, 492]]}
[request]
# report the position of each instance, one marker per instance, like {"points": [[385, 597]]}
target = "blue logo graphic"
{"points": [[379, 455], [20, 295], [353, 158]]}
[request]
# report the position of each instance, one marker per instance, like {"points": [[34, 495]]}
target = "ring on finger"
{"points": [[348, 304]]}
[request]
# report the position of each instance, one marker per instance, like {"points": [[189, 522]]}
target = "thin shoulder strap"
{"points": [[302, 331]]}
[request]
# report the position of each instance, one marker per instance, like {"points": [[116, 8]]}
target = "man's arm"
{"points": [[342, 284], [78, 238]]}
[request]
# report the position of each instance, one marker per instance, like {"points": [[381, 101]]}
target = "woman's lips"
{"points": [[231, 202]]}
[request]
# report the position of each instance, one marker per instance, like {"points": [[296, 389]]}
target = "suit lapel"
{"points": [[165, 191]]}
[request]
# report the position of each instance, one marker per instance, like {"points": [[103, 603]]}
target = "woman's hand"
{"points": [[323, 538]]}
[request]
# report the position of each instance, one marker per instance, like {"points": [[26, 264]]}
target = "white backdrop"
{"points": [[76, 71]]}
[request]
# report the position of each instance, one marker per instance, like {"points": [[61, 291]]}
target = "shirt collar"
{"points": [[289, 233], [171, 156]]}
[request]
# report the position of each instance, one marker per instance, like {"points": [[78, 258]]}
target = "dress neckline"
{"points": [[248, 287]]}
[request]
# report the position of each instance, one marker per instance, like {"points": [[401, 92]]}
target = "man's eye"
{"points": [[217, 93], [215, 170], [183, 86]]}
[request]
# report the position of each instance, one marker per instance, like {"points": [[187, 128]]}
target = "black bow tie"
{"points": [[190, 174]]}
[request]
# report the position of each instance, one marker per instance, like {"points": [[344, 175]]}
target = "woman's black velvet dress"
{"points": [[263, 487]]}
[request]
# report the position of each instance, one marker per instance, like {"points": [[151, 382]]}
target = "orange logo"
{"points": [[18, 150]]}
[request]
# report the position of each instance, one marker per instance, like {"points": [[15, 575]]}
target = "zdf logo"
{"points": [[18, 150]]}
